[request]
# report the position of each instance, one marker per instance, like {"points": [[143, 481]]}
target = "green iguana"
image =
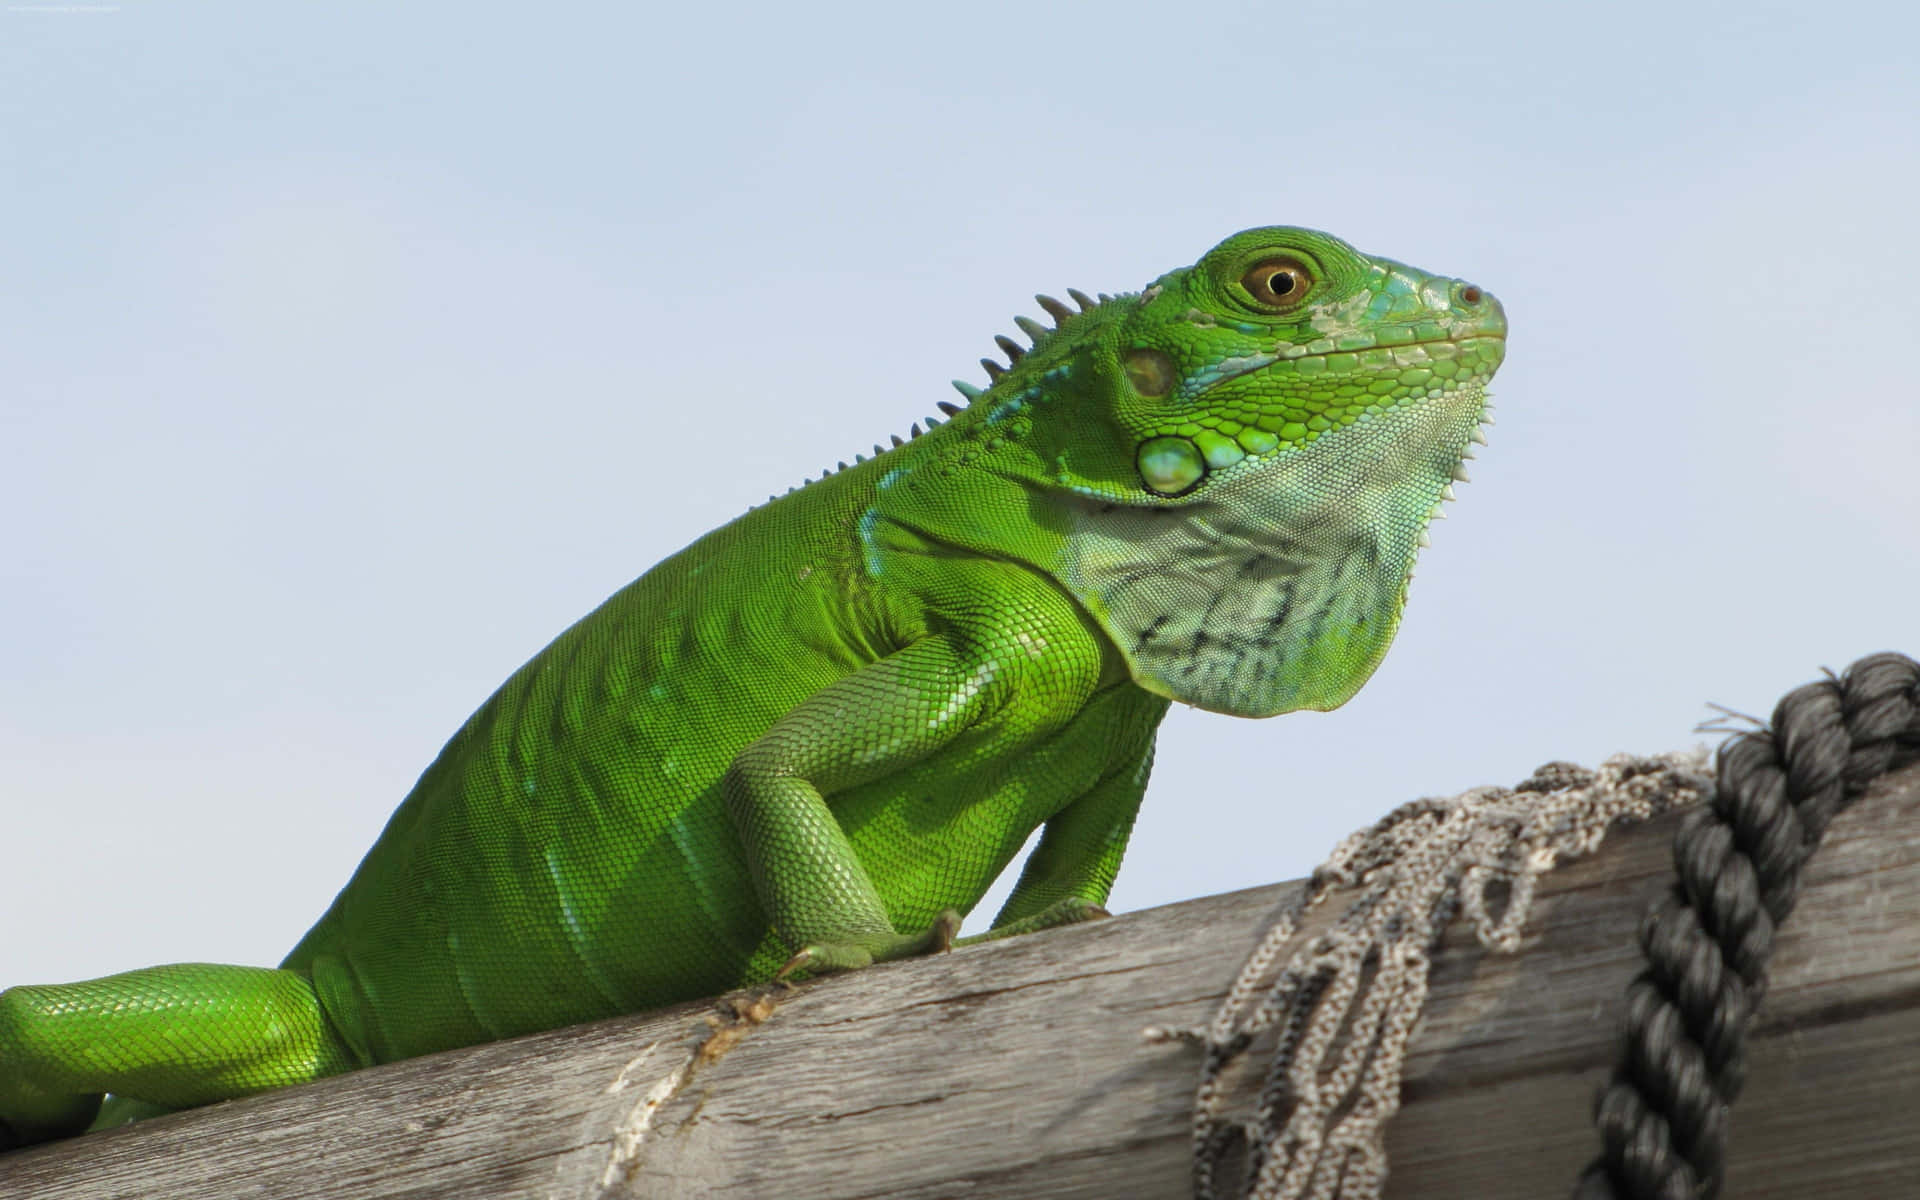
{"points": [[810, 740]]}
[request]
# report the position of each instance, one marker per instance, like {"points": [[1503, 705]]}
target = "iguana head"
{"points": [[1232, 470]]}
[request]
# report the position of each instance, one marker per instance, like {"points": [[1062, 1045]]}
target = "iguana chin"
{"points": [[811, 739]]}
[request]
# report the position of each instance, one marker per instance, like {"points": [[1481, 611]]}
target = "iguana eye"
{"points": [[1277, 282]]}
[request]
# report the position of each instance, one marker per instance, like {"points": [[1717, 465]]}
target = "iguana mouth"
{"points": [[1318, 350]]}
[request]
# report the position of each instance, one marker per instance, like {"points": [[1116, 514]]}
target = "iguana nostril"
{"points": [[1469, 294]]}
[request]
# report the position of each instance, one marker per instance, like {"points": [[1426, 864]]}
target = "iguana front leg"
{"points": [[1069, 874], [1030, 671], [814, 888]]}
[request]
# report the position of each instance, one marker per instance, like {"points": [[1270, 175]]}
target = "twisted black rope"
{"points": [[1663, 1117]]}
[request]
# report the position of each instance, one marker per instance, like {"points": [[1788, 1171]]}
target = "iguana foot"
{"points": [[1071, 911], [853, 953]]}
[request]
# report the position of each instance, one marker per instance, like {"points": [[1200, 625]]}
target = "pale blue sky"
{"points": [[351, 352]]}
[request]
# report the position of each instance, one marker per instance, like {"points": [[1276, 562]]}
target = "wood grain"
{"points": [[1018, 1070]]}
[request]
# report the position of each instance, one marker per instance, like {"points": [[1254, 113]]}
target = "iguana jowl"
{"points": [[814, 737]]}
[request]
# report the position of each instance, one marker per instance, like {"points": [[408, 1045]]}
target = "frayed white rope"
{"points": [[1346, 1003]]}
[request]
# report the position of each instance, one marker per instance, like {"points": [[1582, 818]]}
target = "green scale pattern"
{"points": [[812, 739]]}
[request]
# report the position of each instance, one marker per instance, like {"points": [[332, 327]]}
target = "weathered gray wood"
{"points": [[1017, 1069]]}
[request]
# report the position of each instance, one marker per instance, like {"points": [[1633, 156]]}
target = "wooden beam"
{"points": [[1018, 1069]]}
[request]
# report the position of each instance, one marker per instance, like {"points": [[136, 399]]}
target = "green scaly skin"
{"points": [[813, 738]]}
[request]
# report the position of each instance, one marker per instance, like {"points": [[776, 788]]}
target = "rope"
{"points": [[1344, 1006], [1663, 1116]]}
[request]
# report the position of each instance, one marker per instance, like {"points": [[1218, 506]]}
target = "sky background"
{"points": [[351, 352]]}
